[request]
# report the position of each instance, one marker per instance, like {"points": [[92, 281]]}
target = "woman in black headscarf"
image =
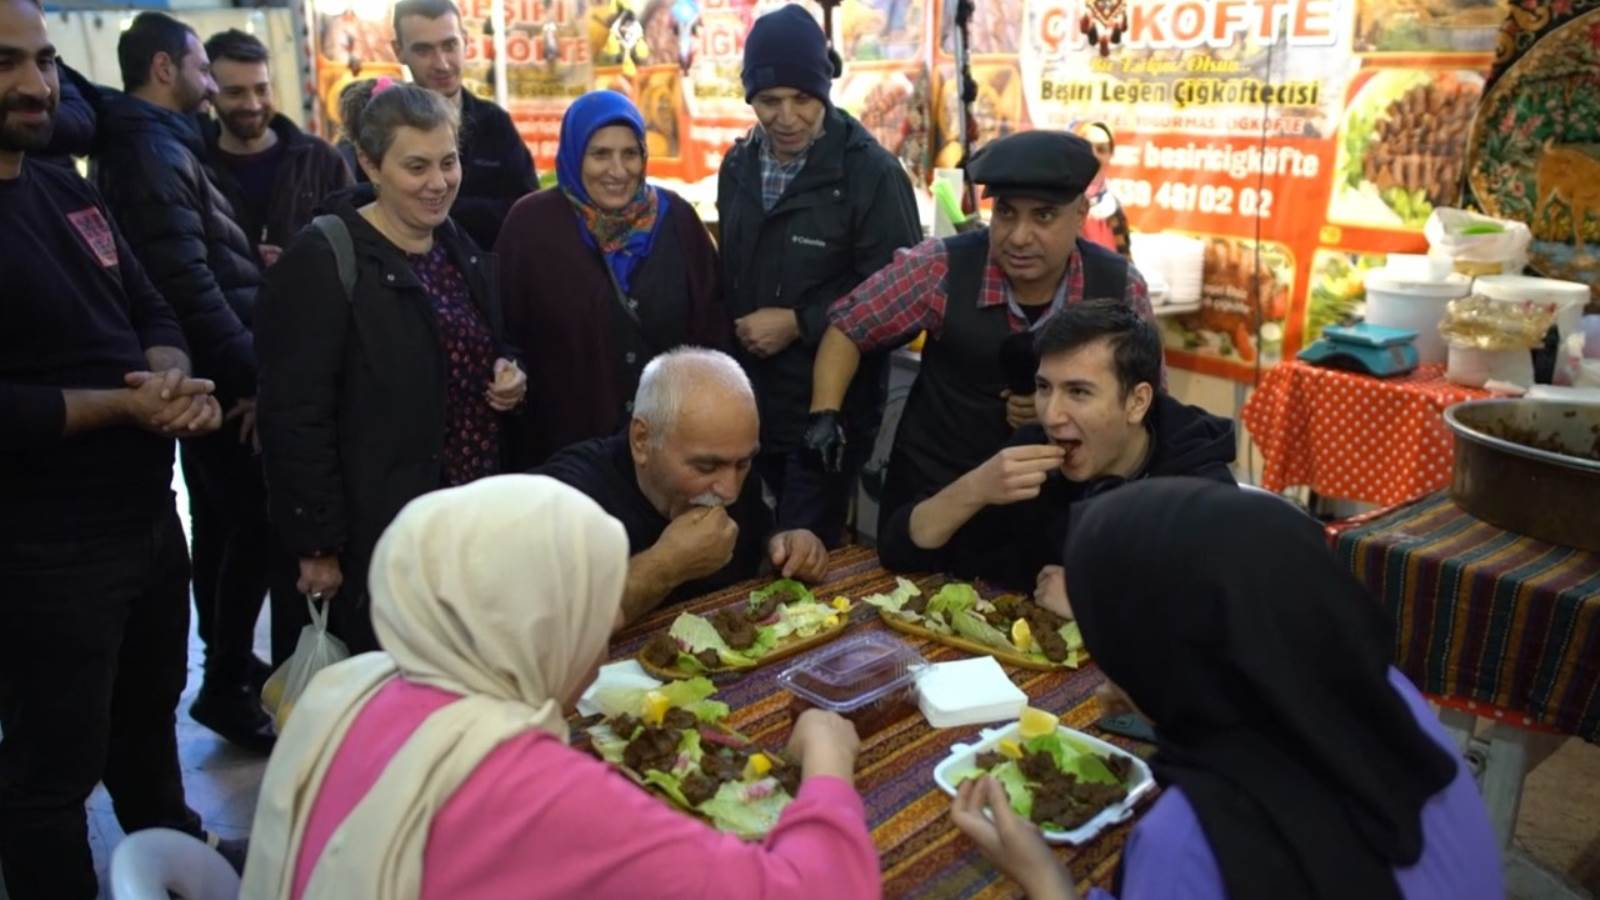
{"points": [[1297, 762]]}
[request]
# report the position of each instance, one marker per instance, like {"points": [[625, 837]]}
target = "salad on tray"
{"points": [[1051, 781], [674, 740], [768, 625], [1008, 624]]}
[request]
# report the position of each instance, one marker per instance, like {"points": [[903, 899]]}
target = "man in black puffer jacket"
{"points": [[149, 165]]}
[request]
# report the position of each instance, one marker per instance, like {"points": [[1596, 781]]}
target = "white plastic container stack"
{"points": [[1412, 292], [1178, 261], [1568, 297]]}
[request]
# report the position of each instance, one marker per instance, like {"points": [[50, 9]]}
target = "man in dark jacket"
{"points": [[677, 478], [809, 206], [496, 167], [150, 168], [1104, 421], [274, 175], [94, 576], [75, 119]]}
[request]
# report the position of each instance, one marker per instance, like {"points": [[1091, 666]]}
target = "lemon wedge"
{"points": [[656, 705], [1009, 749], [842, 604], [757, 767], [1022, 635], [1036, 723]]}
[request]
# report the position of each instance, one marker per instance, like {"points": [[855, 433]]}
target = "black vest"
{"points": [[955, 418]]}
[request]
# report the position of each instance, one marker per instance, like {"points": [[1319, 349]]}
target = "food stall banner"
{"points": [[1298, 140]]}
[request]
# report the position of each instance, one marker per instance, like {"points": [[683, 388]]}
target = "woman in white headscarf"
{"points": [[439, 768]]}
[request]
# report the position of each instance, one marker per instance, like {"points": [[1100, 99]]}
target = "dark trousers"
{"points": [[237, 557], [810, 497], [93, 656]]}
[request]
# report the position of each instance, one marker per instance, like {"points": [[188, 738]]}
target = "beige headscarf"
{"points": [[503, 591]]}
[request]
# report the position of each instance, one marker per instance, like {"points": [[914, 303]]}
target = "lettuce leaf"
{"points": [[896, 600], [1010, 776], [1069, 758], [747, 810], [709, 711], [785, 585], [968, 624], [1072, 635], [802, 619], [670, 784], [688, 692], [953, 598], [696, 633], [766, 639], [689, 752], [608, 743]]}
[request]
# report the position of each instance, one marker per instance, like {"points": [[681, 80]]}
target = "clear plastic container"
{"points": [[870, 679]]}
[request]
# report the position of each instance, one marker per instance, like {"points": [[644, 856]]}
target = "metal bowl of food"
{"points": [[1530, 466]]}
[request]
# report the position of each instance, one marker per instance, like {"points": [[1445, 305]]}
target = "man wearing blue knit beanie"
{"points": [[809, 205]]}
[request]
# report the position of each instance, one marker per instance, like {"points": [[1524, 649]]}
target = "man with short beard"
{"points": [[274, 174], [150, 166], [94, 576], [496, 168]]}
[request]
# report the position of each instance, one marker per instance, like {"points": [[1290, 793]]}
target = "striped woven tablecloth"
{"points": [[922, 854], [1486, 615]]}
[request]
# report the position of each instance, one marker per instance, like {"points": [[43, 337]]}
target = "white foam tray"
{"points": [[1141, 782]]}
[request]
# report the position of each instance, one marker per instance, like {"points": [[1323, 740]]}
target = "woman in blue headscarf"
{"points": [[598, 275]]}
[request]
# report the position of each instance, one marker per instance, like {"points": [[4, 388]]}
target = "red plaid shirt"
{"points": [[909, 295]]}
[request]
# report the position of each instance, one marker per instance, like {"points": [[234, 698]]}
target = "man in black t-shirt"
{"points": [[274, 174], [94, 575], [678, 480]]}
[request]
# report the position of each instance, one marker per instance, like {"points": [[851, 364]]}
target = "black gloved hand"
{"points": [[825, 436]]}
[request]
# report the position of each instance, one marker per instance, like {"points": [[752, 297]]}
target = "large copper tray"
{"points": [[1530, 466]]}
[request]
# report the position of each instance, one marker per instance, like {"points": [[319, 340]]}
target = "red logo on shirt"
{"points": [[96, 233]]}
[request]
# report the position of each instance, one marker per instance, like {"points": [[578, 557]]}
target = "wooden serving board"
{"points": [[781, 652], [1009, 657]]}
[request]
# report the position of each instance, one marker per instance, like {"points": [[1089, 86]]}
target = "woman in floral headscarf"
{"points": [[599, 275]]}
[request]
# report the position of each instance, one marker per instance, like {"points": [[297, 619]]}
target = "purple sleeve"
{"points": [[1168, 857]]}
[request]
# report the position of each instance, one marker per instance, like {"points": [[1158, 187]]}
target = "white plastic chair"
{"points": [[150, 863]]}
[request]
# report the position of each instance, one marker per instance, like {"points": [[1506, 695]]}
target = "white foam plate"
{"points": [[1141, 782]]}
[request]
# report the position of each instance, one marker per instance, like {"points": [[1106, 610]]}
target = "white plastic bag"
{"points": [[1477, 244], [316, 650]]}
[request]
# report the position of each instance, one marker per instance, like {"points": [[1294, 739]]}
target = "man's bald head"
{"points": [[695, 430], [690, 381]]}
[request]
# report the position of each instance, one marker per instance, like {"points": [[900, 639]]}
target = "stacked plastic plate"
{"points": [[1177, 261]]}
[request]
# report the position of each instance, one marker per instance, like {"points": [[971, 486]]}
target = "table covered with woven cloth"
{"points": [[920, 851], [1343, 434], [1485, 616]]}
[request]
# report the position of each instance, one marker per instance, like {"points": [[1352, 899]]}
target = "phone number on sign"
{"points": [[1211, 199]]}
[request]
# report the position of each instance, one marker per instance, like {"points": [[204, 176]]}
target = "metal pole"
{"points": [[497, 19]]}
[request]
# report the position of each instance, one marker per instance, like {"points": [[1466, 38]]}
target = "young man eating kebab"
{"points": [[1104, 420]]}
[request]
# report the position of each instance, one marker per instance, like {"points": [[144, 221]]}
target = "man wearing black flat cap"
{"points": [[978, 296], [809, 205]]}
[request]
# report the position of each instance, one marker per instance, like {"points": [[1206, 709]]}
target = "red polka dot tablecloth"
{"points": [[1376, 440]]}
